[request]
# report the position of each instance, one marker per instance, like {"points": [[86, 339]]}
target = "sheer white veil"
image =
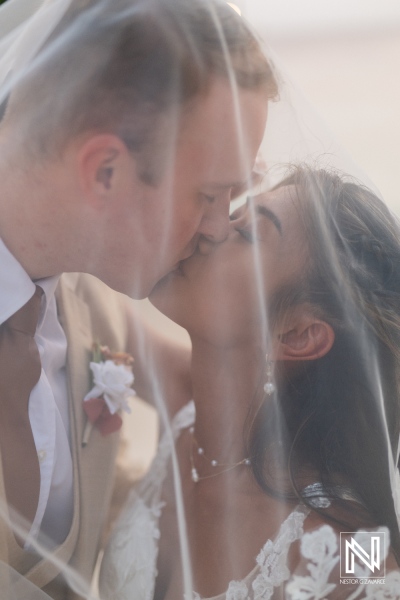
{"points": [[16, 14], [294, 134]]}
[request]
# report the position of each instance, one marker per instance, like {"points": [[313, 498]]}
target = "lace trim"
{"points": [[320, 549], [271, 569]]}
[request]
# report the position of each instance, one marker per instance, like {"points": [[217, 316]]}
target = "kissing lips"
{"points": [[177, 270]]}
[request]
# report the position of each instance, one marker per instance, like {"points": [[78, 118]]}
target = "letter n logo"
{"points": [[368, 554]]}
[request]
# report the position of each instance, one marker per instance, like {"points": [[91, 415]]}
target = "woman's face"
{"points": [[220, 295]]}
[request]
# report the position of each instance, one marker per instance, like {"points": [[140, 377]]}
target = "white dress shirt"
{"points": [[48, 402]]}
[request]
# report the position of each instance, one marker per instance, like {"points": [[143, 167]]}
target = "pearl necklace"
{"points": [[214, 463]]}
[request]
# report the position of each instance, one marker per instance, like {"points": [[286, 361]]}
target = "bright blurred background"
{"points": [[345, 56]]}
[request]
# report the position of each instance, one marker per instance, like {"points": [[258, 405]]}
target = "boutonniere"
{"points": [[112, 380]]}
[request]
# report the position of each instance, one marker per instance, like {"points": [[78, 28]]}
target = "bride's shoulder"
{"points": [[329, 562]]}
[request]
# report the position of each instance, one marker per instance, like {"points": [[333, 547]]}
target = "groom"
{"points": [[119, 155]]}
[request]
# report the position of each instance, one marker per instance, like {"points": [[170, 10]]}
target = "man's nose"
{"points": [[214, 227]]}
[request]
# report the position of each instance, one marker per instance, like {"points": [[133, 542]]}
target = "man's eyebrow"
{"points": [[266, 212]]}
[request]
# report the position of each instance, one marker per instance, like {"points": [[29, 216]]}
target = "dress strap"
{"points": [[151, 484]]}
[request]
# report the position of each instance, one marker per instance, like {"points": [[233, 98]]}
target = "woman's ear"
{"points": [[306, 338]]}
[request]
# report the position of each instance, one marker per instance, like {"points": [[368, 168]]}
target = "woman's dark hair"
{"points": [[340, 414]]}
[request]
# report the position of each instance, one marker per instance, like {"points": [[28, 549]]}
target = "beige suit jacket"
{"points": [[88, 311]]}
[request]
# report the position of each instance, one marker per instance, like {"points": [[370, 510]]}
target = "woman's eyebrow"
{"points": [[266, 212]]}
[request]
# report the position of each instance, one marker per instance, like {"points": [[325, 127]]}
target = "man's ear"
{"points": [[98, 160], [305, 338]]}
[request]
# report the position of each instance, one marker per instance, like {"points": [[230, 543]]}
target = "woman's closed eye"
{"points": [[247, 233], [246, 230]]}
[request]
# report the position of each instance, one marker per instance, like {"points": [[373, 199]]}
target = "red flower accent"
{"points": [[98, 414]]}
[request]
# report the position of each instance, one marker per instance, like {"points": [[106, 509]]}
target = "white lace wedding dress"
{"points": [[129, 567]]}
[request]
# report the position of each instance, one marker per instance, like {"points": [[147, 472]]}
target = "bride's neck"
{"points": [[226, 382]]}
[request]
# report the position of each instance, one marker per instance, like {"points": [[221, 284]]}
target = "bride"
{"points": [[292, 436]]}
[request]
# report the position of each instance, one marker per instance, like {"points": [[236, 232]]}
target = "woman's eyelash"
{"points": [[248, 235]]}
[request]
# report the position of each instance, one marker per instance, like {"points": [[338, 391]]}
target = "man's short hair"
{"points": [[119, 66]]}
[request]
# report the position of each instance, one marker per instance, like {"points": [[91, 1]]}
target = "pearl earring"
{"points": [[269, 387]]}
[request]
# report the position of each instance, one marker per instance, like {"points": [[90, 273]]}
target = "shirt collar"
{"points": [[17, 287], [48, 286]]}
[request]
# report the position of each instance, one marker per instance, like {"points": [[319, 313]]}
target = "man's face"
{"points": [[153, 228]]}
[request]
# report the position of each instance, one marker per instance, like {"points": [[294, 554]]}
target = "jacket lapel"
{"points": [[75, 319]]}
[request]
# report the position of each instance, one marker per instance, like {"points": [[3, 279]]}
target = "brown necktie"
{"points": [[20, 369]]}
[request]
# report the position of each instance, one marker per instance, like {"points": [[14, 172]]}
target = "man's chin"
{"points": [[133, 289], [162, 293], [158, 288], [141, 290], [166, 280]]}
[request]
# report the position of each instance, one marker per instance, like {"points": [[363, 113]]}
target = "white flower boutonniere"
{"points": [[112, 380]]}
